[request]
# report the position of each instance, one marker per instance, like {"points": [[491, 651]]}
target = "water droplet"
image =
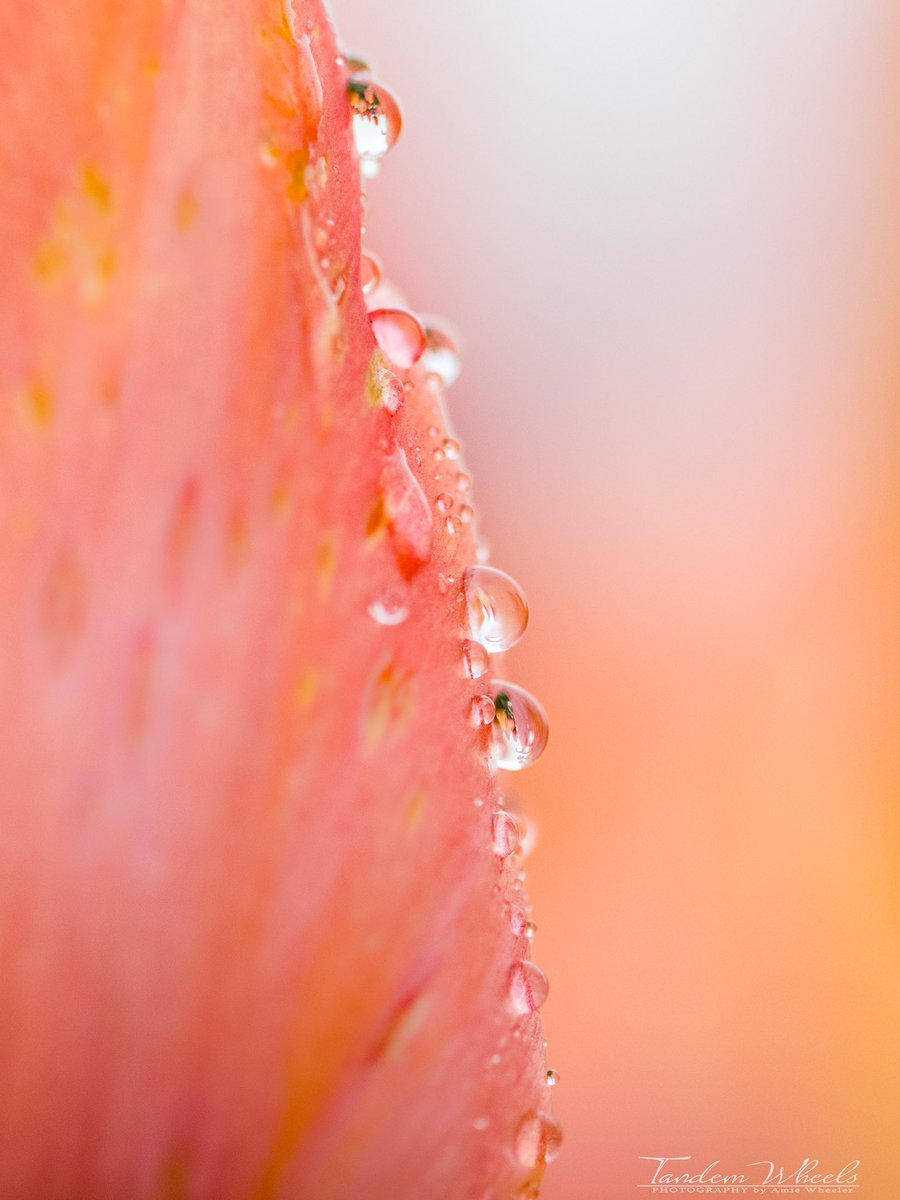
{"points": [[454, 525], [463, 482], [475, 659], [441, 355], [390, 608], [538, 1139], [530, 930], [482, 552], [369, 273], [504, 834], [444, 502], [528, 987], [498, 610], [377, 121], [552, 1078], [438, 455], [399, 335], [466, 514], [480, 1124], [452, 448], [517, 920], [482, 710], [520, 728], [529, 833], [445, 583]]}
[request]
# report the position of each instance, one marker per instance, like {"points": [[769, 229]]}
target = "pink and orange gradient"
{"points": [[669, 235]]}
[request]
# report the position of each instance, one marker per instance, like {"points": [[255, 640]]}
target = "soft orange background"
{"points": [[669, 234]]}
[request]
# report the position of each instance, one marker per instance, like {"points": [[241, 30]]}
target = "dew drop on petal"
{"points": [[463, 482], [391, 607], [517, 919], [528, 987], [444, 502], [530, 930], [552, 1078], [369, 273], [452, 448], [466, 514], [498, 610], [504, 834], [538, 1139], [441, 355], [520, 728], [482, 711], [475, 659], [377, 120], [399, 335], [454, 526]]}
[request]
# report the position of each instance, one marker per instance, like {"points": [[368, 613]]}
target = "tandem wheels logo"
{"points": [[683, 1177]]}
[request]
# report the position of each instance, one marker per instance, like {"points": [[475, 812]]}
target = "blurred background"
{"points": [[668, 233]]}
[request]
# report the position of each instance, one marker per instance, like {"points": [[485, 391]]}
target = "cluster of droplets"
{"points": [[496, 608], [498, 615]]}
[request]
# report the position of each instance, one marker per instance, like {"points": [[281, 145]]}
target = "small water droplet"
{"points": [[480, 1124], [530, 930], [529, 833], [399, 335], [445, 583], [452, 448], [454, 525], [466, 514], [478, 802], [552, 1078], [438, 455], [517, 920], [528, 987], [441, 355], [504, 834], [482, 552], [377, 121], [369, 273], [498, 610], [444, 502], [538, 1139], [463, 482], [482, 711], [520, 727], [475, 659], [391, 607]]}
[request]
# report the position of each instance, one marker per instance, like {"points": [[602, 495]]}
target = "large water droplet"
{"points": [[377, 122], [399, 335], [538, 1139], [441, 355], [520, 728], [498, 610], [528, 987], [504, 834], [475, 659]]}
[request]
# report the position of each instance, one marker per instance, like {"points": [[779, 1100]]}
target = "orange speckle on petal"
{"points": [[391, 702], [326, 562], [40, 404], [63, 605]]}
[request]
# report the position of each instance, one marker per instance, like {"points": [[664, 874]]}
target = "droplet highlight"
{"points": [[520, 728], [498, 610], [538, 1139], [528, 987]]}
